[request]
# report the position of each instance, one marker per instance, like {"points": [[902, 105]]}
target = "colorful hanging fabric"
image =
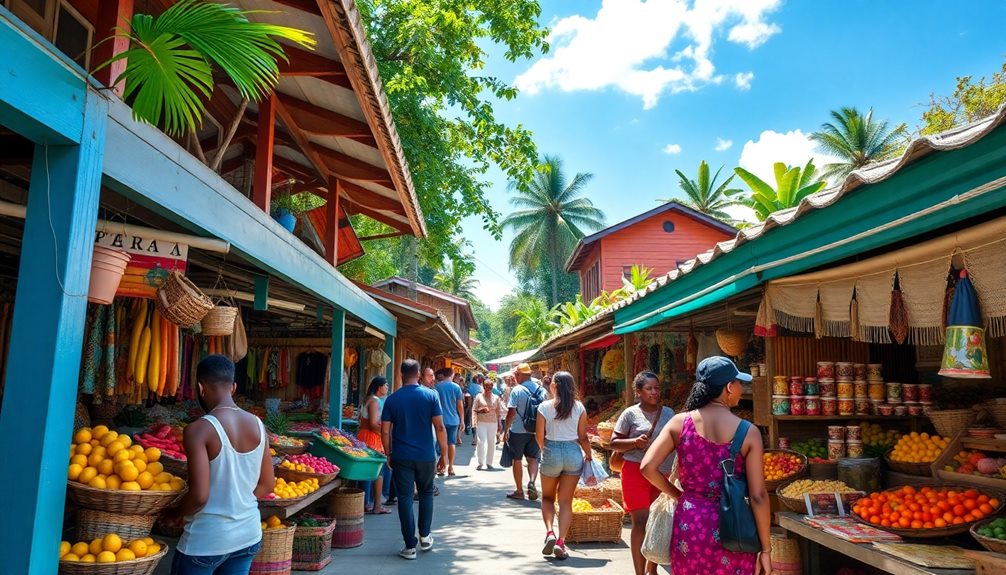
{"points": [[93, 347], [654, 357], [640, 359], [109, 363]]}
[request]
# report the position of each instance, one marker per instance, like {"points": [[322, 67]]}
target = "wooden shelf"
{"points": [[846, 417], [290, 510], [984, 444]]}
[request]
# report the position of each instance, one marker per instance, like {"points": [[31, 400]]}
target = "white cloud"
{"points": [[723, 145], [793, 148], [743, 80], [671, 149], [627, 45], [491, 290]]}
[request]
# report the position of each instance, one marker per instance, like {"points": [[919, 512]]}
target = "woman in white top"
{"points": [[561, 429], [487, 409]]}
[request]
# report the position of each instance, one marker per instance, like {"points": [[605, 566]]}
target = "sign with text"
{"points": [[152, 259]]}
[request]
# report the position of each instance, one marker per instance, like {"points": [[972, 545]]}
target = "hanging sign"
{"points": [[152, 259]]}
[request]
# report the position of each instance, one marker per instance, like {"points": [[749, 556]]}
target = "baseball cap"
{"points": [[523, 368], [718, 371]]}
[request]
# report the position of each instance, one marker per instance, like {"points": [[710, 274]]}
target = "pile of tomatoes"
{"points": [[925, 508]]}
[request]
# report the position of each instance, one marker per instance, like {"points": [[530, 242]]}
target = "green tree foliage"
{"points": [[539, 282], [535, 323], [431, 54], [972, 99], [856, 140], [703, 195], [551, 216], [457, 277], [792, 186], [495, 340]]}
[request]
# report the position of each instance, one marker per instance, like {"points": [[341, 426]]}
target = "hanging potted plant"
{"points": [[285, 210]]}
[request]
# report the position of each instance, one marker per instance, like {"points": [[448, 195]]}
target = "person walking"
{"points": [[487, 408], [453, 407], [370, 433], [634, 431], [472, 391], [561, 433], [519, 430], [229, 470], [405, 433], [702, 437]]}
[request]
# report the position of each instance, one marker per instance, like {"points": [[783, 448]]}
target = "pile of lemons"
{"points": [[918, 448], [108, 549], [581, 505], [294, 489], [104, 459]]}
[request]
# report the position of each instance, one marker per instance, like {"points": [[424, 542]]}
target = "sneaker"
{"points": [[532, 491], [549, 544], [408, 553], [425, 543], [560, 551], [480, 468]]}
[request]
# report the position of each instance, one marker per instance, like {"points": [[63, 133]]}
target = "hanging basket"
{"points": [[219, 321], [181, 302], [733, 342]]}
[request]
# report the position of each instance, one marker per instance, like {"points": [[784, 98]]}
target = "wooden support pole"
{"points": [[261, 302], [111, 14], [336, 380], [331, 239], [262, 189], [389, 348]]}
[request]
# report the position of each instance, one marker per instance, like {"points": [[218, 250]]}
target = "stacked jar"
{"points": [[861, 390], [797, 399], [826, 387], [844, 441], [926, 397], [845, 374], [812, 390], [780, 395]]}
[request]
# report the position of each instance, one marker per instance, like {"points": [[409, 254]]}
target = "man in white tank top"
{"points": [[229, 470]]}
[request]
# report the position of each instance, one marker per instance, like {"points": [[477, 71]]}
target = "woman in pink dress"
{"points": [[701, 437]]}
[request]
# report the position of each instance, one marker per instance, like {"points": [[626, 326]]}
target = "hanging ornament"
{"points": [[964, 354]]}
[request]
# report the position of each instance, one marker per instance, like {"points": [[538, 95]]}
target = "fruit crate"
{"points": [[350, 467], [962, 441]]}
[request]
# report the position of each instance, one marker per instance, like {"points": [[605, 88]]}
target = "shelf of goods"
{"points": [[973, 461], [276, 507]]}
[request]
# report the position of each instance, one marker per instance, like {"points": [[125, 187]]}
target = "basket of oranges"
{"points": [[914, 453], [928, 511], [111, 555], [782, 465]]}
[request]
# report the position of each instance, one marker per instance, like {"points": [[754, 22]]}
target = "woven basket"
{"points": [[92, 524], [997, 409], [796, 505], [219, 321], [181, 302], [948, 422], [733, 342], [775, 483], [143, 566], [601, 493], [920, 469], [124, 502], [275, 556], [174, 466], [290, 449], [993, 545], [294, 475], [785, 551], [312, 547], [264, 504], [346, 502], [597, 525], [605, 432]]}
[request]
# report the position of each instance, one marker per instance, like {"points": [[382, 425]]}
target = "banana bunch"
{"points": [[153, 350]]}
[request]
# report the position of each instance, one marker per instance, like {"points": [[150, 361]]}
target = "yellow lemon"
{"points": [[136, 448], [83, 435], [70, 557], [109, 438], [84, 449], [127, 471], [111, 542], [162, 477], [264, 526], [140, 463], [99, 431], [148, 540], [114, 447], [145, 480], [73, 472], [153, 454], [113, 482], [106, 556], [87, 475], [99, 450], [153, 549], [64, 548], [139, 548], [95, 458], [106, 467], [95, 443], [125, 440], [125, 555], [79, 549], [95, 547], [155, 468], [273, 521], [97, 482], [130, 486], [177, 483], [79, 459], [160, 487], [87, 558], [121, 456]]}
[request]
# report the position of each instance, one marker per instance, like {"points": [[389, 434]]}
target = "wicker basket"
{"points": [[124, 502], [294, 475], [920, 469], [785, 551], [346, 502], [174, 466], [604, 431], [601, 493], [796, 505], [181, 302], [598, 525], [948, 422], [733, 342], [264, 504], [993, 545], [92, 524], [219, 321], [143, 566], [290, 449], [312, 546], [774, 484], [997, 409], [275, 556]]}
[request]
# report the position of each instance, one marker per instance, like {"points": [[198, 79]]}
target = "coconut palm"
{"points": [[703, 195], [457, 278], [856, 140], [792, 185], [551, 217], [171, 59], [536, 322]]}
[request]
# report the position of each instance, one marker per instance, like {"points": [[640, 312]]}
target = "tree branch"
{"points": [[197, 147], [231, 130]]}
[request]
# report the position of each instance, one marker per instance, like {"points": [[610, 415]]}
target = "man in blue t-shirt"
{"points": [[405, 432], [452, 403]]}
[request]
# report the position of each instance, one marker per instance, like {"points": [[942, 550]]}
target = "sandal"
{"points": [[518, 495], [532, 492], [383, 511]]}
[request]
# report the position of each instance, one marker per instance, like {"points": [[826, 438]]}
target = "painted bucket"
{"points": [[348, 533], [107, 267]]}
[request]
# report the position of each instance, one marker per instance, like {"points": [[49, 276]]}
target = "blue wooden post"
{"points": [[46, 339], [338, 357], [389, 348], [261, 302]]}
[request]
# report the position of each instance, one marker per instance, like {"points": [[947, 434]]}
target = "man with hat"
{"points": [[518, 435]]}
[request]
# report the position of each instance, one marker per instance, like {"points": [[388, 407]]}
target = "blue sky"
{"points": [[632, 90]]}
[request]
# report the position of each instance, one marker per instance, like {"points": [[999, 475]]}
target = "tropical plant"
{"points": [[793, 184], [171, 59], [637, 280], [856, 140], [703, 195], [972, 100], [536, 322], [551, 217], [573, 313], [457, 278]]}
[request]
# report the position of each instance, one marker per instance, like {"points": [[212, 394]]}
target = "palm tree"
{"points": [[457, 279], [792, 185], [856, 140], [704, 195], [551, 217], [535, 324]]}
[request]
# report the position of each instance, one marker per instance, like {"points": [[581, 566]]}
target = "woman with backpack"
{"points": [[707, 438], [561, 431]]}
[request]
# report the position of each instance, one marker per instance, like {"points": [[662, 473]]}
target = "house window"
{"points": [[59, 23], [592, 282], [627, 272], [668, 226]]}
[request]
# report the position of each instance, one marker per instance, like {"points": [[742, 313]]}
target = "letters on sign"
{"points": [[152, 259]]}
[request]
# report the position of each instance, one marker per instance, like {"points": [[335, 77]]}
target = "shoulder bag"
{"points": [[738, 532]]}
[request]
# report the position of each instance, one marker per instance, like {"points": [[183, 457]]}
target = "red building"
{"points": [[660, 239]]}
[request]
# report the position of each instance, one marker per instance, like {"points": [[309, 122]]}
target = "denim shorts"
{"points": [[452, 434], [235, 563], [561, 458]]}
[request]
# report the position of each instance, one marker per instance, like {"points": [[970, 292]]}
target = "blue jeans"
{"points": [[419, 475], [236, 563]]}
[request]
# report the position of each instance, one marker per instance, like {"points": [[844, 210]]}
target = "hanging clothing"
{"points": [[311, 366]]}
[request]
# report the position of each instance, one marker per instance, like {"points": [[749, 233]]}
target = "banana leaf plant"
{"points": [[793, 184], [171, 59]]}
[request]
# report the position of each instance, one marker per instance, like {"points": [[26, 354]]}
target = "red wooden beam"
{"points": [[351, 168], [301, 62], [309, 6], [370, 198], [394, 234], [262, 190], [332, 221], [354, 207], [294, 169], [317, 120], [111, 13]]}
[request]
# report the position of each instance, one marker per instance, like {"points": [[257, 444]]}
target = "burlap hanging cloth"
{"points": [[923, 287], [835, 300], [873, 294], [987, 269], [765, 325], [795, 306]]}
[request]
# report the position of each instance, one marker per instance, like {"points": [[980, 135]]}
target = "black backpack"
{"points": [[530, 416]]}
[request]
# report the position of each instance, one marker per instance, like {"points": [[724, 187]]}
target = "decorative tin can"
{"points": [[910, 392], [853, 433], [780, 385], [798, 405], [875, 406], [813, 404], [796, 386], [836, 449], [900, 410], [863, 406], [886, 409], [845, 371], [846, 406], [846, 390], [836, 433], [925, 393], [915, 409], [877, 391], [875, 372], [854, 449], [780, 405], [927, 406], [825, 370], [859, 389], [811, 386], [829, 406], [893, 392], [860, 370], [784, 443], [827, 387]]}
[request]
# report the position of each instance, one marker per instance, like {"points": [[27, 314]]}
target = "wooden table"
{"points": [[290, 510], [812, 539]]}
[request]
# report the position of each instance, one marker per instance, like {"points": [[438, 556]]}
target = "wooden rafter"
{"points": [[349, 167], [370, 198], [317, 120], [303, 63], [309, 6], [356, 208]]}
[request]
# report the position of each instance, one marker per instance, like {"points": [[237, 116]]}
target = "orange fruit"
{"points": [[111, 542], [124, 554], [139, 548], [106, 556]]}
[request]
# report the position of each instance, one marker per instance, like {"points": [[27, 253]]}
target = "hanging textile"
{"points": [[640, 358], [873, 294], [987, 265], [93, 348], [897, 321], [707, 347], [834, 299], [613, 364], [378, 359], [795, 306], [765, 325], [923, 289], [108, 343], [654, 358]]}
